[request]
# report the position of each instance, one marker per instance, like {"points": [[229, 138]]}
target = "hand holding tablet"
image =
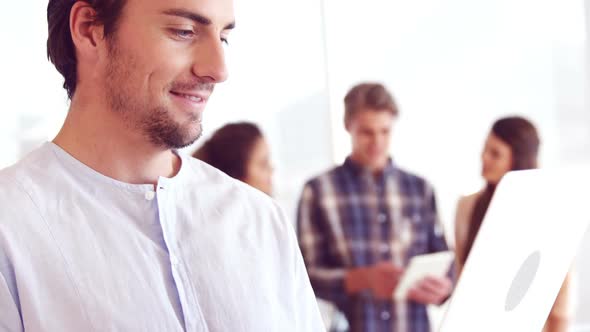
{"points": [[420, 267]]}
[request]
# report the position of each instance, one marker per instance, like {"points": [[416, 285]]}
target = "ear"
{"points": [[87, 35]]}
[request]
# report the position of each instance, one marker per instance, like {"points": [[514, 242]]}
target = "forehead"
{"points": [[219, 12], [373, 118]]}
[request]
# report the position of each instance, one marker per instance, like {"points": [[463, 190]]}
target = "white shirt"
{"points": [[80, 251]]}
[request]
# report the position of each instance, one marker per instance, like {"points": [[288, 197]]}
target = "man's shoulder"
{"points": [[234, 202], [206, 178], [30, 169], [16, 182], [11, 190], [410, 176], [328, 175], [411, 179]]}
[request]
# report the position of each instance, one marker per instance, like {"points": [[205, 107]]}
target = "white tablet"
{"points": [[421, 266], [523, 251]]}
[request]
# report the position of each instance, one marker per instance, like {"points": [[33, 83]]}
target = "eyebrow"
{"points": [[195, 17]]}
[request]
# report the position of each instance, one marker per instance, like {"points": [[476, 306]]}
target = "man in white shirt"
{"points": [[107, 228]]}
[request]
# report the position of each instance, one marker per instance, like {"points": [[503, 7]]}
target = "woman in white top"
{"points": [[512, 144]]}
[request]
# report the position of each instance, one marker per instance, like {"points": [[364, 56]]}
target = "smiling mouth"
{"points": [[192, 98]]}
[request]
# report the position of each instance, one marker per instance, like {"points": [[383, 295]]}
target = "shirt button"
{"points": [[381, 218], [149, 195], [385, 315]]}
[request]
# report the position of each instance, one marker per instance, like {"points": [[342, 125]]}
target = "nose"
{"points": [[209, 64]]}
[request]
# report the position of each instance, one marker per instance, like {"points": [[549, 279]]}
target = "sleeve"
{"points": [[308, 314], [304, 306], [10, 319], [326, 278], [9, 316], [436, 234]]}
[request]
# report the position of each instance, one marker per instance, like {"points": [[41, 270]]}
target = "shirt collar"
{"points": [[357, 168], [78, 167]]}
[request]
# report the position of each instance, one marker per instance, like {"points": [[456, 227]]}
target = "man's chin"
{"points": [[190, 139], [180, 138], [378, 163]]}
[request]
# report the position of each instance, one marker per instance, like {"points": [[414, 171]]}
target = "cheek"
{"points": [[158, 75], [253, 174], [498, 167], [506, 165], [358, 137], [384, 141], [263, 174], [368, 142]]}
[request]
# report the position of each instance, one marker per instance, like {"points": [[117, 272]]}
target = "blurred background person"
{"points": [[241, 151], [361, 222], [512, 144]]}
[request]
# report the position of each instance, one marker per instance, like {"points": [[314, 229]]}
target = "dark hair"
{"points": [[230, 147], [523, 139], [373, 96], [60, 46]]}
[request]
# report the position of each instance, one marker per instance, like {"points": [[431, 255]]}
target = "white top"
{"points": [[80, 251]]}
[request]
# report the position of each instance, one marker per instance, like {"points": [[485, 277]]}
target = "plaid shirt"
{"points": [[348, 218]]}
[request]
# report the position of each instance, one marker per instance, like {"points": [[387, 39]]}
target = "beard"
{"points": [[152, 120]]}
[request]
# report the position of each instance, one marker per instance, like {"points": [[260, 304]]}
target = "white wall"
{"points": [[278, 79], [454, 67], [33, 103]]}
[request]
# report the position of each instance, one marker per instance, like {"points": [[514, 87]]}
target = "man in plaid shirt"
{"points": [[360, 223]]}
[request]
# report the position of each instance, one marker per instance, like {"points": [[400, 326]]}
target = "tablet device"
{"points": [[421, 266]]}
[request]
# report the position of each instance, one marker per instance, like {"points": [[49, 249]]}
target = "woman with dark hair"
{"points": [[241, 151], [512, 144]]}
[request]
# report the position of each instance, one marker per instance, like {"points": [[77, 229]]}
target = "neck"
{"points": [[100, 138], [376, 169]]}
